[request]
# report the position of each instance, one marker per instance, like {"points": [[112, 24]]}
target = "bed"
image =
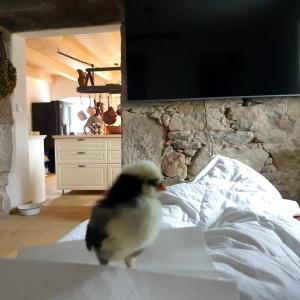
{"points": [[250, 231]]}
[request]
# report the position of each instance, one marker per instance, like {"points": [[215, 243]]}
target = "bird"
{"points": [[127, 220]]}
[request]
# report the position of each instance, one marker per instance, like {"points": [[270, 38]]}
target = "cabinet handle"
{"points": [[80, 152], [81, 166], [80, 140]]}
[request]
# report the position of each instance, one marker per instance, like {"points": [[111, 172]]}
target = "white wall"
{"points": [[18, 186], [37, 90], [62, 87]]}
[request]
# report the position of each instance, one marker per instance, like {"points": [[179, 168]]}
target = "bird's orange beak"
{"points": [[161, 187]]}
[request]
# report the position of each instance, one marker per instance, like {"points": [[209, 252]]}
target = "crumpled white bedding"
{"points": [[260, 254], [224, 182], [249, 229]]}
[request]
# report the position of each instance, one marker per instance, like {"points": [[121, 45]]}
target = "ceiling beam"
{"points": [[71, 46], [112, 43], [34, 72], [51, 65], [105, 45]]}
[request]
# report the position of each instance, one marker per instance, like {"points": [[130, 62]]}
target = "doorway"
{"points": [[45, 75]]}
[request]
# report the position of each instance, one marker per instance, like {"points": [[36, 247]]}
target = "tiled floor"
{"points": [[58, 216]]}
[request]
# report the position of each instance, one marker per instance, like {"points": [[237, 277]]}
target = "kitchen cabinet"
{"points": [[87, 162]]}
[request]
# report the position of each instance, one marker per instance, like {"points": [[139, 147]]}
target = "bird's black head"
{"points": [[140, 179], [124, 191]]}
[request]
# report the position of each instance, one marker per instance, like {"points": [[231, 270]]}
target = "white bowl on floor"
{"points": [[30, 209]]}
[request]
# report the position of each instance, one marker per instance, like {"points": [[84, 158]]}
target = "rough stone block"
{"points": [[3, 179], [173, 165], [251, 155], [200, 160], [182, 135], [190, 116], [5, 204], [194, 121], [143, 138], [287, 182], [166, 120], [244, 117], [190, 152], [268, 169], [201, 137], [237, 138], [156, 114], [178, 144], [5, 148], [5, 111], [217, 114], [286, 159]]}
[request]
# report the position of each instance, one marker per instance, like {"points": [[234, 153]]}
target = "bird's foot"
{"points": [[103, 262], [128, 261]]}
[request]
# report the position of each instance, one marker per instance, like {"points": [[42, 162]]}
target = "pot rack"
{"points": [[108, 88], [88, 76]]}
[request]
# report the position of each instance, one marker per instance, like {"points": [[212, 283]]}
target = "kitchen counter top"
{"points": [[36, 136], [88, 136]]}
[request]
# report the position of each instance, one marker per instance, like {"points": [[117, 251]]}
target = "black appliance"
{"points": [[51, 118], [196, 49]]}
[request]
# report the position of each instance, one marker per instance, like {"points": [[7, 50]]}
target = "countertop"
{"points": [[36, 136], [86, 136]]}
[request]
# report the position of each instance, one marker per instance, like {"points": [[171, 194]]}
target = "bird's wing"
{"points": [[96, 230]]}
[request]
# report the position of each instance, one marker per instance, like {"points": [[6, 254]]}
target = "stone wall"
{"points": [[182, 137], [6, 121]]}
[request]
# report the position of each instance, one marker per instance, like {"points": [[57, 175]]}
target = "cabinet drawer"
{"points": [[114, 144], [114, 156], [81, 143], [83, 156], [83, 177]]}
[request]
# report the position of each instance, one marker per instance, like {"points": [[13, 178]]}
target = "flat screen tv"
{"points": [[195, 49]]}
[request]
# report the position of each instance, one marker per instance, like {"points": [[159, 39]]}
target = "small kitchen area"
{"points": [[46, 96], [74, 95]]}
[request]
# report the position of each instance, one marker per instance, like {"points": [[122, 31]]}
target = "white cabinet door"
{"points": [[82, 177], [114, 143], [87, 163], [114, 157], [113, 170]]}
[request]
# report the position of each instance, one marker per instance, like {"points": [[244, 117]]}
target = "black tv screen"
{"points": [[191, 49]]}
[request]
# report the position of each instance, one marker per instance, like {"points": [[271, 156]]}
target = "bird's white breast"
{"points": [[133, 229]]}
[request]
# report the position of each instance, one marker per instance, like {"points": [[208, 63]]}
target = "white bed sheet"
{"points": [[249, 229], [260, 254]]}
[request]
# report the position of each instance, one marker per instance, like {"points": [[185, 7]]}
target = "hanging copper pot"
{"points": [[110, 116]]}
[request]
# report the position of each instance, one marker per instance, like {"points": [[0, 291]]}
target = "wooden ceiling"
{"points": [[101, 49]]}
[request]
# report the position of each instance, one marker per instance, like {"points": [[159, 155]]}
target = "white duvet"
{"points": [[249, 229]]}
